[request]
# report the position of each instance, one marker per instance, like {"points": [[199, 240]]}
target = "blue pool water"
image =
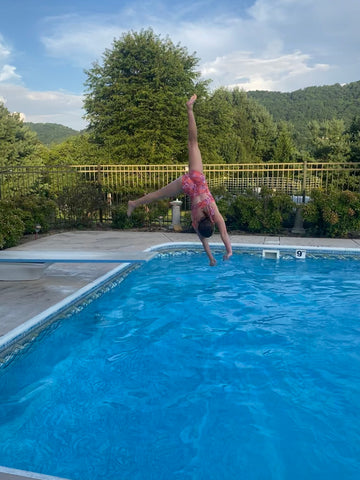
{"points": [[250, 370]]}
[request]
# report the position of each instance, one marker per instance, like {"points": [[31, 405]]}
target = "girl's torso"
{"points": [[202, 202]]}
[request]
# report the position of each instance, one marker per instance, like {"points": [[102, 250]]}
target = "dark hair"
{"points": [[206, 227]]}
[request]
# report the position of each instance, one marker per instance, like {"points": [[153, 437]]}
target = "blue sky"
{"points": [[279, 45]]}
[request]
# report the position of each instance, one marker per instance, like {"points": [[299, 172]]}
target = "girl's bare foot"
{"points": [[192, 100], [131, 207]]}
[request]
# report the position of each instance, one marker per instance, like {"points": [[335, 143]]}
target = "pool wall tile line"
{"points": [[26, 328], [14, 474], [260, 246]]}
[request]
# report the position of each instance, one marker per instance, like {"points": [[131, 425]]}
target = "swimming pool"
{"points": [[248, 370]]}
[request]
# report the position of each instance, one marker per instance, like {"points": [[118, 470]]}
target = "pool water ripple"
{"points": [[182, 371]]}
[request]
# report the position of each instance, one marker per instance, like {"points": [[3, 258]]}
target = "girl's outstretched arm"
{"points": [[207, 249], [220, 223]]}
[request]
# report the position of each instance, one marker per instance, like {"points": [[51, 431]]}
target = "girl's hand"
{"points": [[227, 256], [212, 262]]}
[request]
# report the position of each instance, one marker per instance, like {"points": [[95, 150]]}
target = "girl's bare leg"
{"points": [[195, 160], [170, 190]]}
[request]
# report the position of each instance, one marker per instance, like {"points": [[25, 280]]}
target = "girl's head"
{"points": [[205, 227]]}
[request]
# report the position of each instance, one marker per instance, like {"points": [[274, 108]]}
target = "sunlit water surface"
{"points": [[250, 370]]}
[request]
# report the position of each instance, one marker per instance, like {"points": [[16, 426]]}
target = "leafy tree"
{"points": [[234, 128], [330, 143], [18, 144], [214, 118], [354, 137], [78, 150], [135, 98], [284, 149]]}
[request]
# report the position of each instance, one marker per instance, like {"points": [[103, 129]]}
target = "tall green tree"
{"points": [[284, 150], [330, 142], [234, 128], [251, 137], [354, 137], [18, 144], [135, 98]]}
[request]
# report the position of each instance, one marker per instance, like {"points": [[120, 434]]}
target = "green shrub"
{"points": [[143, 216], [334, 214], [36, 210], [81, 203], [267, 212], [11, 226], [120, 220]]}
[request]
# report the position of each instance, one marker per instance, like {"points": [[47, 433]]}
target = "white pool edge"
{"points": [[22, 474], [258, 246]]}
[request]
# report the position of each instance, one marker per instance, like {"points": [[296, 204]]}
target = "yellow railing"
{"points": [[291, 178]]}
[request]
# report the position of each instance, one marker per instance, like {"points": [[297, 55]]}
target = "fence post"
{"points": [[98, 181], [304, 180], [298, 227], [98, 175]]}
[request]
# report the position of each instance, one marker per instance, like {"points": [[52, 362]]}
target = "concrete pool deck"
{"points": [[21, 300]]}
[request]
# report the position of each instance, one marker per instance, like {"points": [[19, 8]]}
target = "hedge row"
{"points": [[335, 214]]}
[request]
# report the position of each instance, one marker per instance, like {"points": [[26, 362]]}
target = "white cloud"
{"points": [[42, 107], [4, 51], [7, 72], [282, 44], [243, 70], [80, 40]]}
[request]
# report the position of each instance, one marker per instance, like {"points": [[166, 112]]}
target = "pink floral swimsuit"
{"points": [[194, 185]]}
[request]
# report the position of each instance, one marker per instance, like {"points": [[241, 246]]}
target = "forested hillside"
{"points": [[51, 133], [300, 107]]}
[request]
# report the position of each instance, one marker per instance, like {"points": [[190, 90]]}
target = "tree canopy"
{"points": [[18, 144], [135, 98]]}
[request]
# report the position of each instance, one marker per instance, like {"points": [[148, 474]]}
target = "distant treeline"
{"points": [[51, 133], [341, 102]]}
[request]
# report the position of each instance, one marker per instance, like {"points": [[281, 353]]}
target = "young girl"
{"points": [[204, 211]]}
